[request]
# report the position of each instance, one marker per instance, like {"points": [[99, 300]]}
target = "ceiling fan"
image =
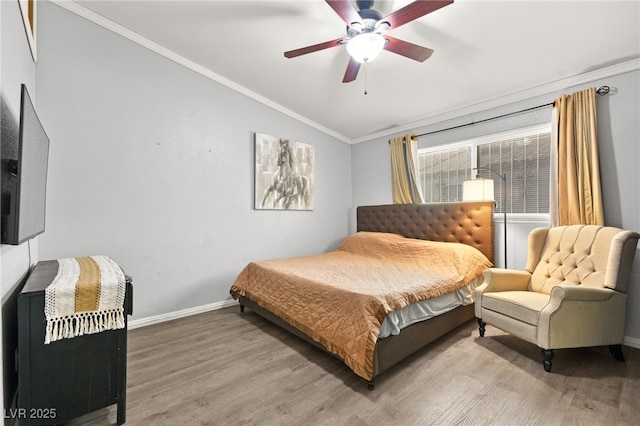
{"points": [[367, 32]]}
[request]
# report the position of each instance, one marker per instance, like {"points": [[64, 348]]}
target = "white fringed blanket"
{"points": [[85, 297]]}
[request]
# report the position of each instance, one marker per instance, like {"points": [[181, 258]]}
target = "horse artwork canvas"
{"points": [[284, 174]]}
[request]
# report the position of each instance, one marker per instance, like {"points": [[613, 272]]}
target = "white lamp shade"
{"points": [[365, 46], [477, 190]]}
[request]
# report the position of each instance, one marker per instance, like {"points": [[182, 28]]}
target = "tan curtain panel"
{"points": [[579, 195], [404, 182]]}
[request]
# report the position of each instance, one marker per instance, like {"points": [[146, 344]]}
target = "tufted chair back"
{"points": [[587, 255]]}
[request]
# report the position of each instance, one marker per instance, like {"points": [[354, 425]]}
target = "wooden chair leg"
{"points": [[481, 325], [547, 355], [616, 351]]}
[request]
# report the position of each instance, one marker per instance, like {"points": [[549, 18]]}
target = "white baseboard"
{"points": [[632, 342], [156, 319]]}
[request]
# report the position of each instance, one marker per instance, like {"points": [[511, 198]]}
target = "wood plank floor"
{"points": [[230, 368]]}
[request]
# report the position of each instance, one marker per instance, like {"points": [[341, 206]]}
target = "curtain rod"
{"points": [[602, 90]]}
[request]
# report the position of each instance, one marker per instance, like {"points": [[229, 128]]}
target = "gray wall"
{"points": [[619, 142], [16, 68], [152, 164]]}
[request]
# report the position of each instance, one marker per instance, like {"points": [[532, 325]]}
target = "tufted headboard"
{"points": [[468, 223]]}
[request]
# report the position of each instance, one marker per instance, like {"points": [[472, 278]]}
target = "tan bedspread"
{"points": [[340, 298]]}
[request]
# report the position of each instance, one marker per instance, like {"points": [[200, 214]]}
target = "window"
{"points": [[522, 155], [442, 171]]}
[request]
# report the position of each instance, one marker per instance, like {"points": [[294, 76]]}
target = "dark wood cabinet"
{"points": [[70, 377]]}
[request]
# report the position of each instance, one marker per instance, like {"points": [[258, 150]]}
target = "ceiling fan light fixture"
{"points": [[366, 46]]}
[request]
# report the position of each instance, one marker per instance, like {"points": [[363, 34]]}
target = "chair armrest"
{"points": [[505, 280], [579, 316], [563, 293], [500, 280]]}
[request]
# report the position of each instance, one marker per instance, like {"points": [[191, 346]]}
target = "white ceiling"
{"points": [[484, 50]]}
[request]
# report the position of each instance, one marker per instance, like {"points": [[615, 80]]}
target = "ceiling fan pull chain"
{"points": [[365, 77]]}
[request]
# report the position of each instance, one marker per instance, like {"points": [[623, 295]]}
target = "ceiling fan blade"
{"points": [[313, 48], [345, 10], [406, 49], [414, 11], [352, 71]]}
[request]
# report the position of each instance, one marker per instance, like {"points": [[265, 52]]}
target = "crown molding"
{"points": [[521, 95], [100, 20], [498, 101]]}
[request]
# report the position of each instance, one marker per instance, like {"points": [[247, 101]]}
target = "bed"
{"points": [[400, 241]]}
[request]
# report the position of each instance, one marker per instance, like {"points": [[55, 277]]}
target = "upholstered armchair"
{"points": [[571, 293]]}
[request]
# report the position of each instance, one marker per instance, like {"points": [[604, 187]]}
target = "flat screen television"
{"points": [[25, 178]]}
